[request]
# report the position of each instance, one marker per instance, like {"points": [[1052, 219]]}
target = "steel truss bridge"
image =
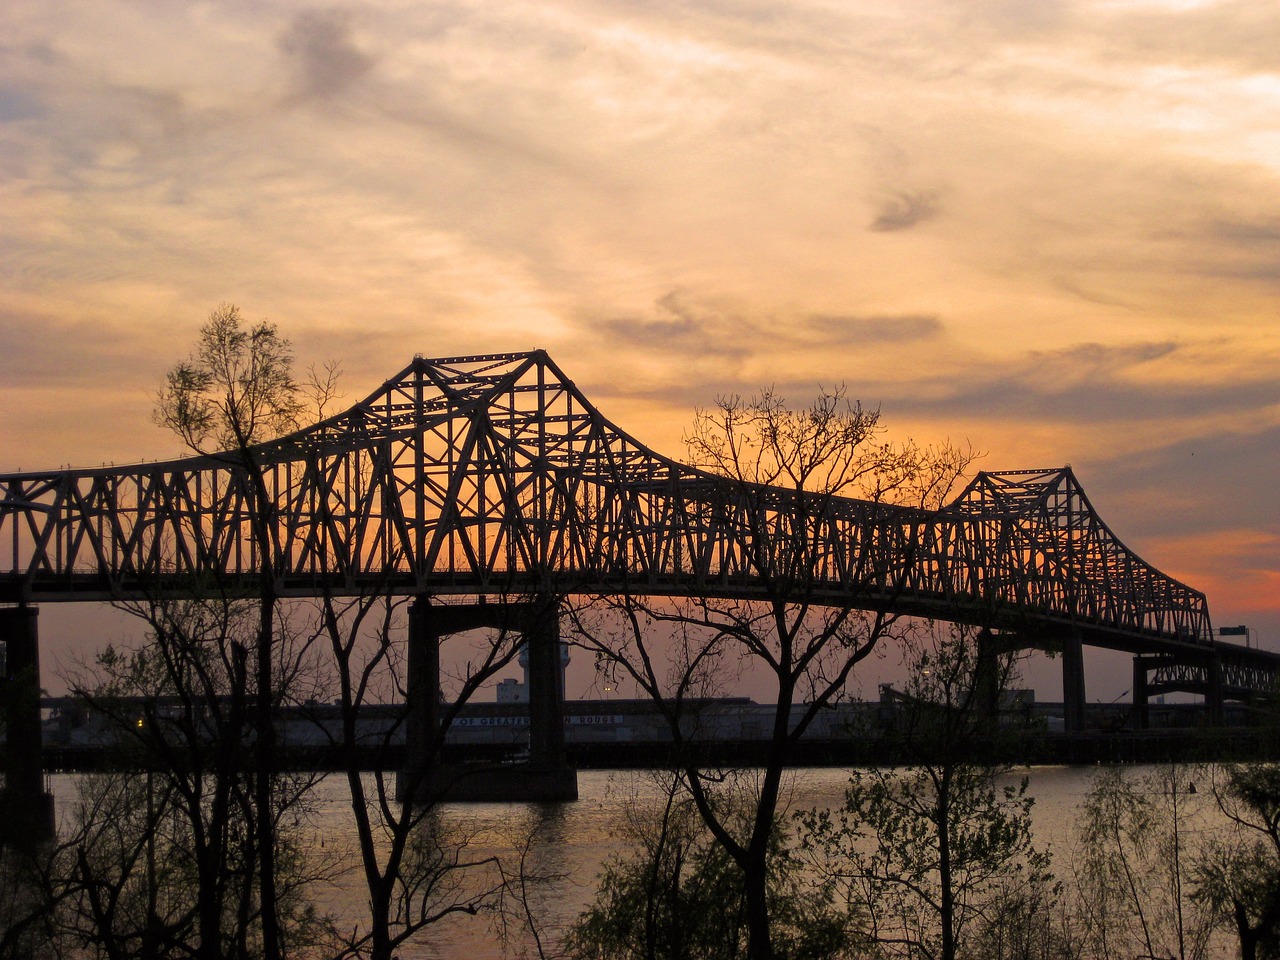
{"points": [[495, 475]]}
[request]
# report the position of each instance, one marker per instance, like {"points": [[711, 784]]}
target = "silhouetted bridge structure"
{"points": [[494, 476]]}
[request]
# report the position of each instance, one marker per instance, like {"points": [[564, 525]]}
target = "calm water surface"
{"points": [[574, 840]]}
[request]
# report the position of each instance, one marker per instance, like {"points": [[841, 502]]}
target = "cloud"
{"points": [[904, 210], [1246, 248], [320, 46], [19, 104], [853, 330], [1264, 235], [681, 329], [1089, 360], [36, 353], [1091, 383], [1203, 483], [1240, 35], [1050, 226]]}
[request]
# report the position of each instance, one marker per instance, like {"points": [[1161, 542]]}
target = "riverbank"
{"points": [[1029, 748]]}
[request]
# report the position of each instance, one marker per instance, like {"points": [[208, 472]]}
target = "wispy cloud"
{"points": [[1043, 226], [852, 330], [321, 47], [1093, 385], [904, 210]]}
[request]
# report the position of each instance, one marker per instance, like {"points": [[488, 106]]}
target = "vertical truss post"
{"points": [[1141, 719], [26, 810], [1073, 696]]}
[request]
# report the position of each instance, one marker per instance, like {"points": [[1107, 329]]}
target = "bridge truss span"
{"points": [[488, 474]]}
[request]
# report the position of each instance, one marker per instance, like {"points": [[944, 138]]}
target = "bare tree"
{"points": [[163, 851], [32, 890], [417, 868], [792, 631], [236, 390]]}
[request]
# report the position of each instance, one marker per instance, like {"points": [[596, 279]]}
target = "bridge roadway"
{"points": [[494, 476]]}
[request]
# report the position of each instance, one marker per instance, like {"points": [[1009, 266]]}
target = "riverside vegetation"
{"points": [[200, 846]]}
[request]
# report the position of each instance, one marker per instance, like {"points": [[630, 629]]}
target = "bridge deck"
{"points": [[494, 474]]}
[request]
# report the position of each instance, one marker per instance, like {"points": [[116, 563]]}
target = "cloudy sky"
{"points": [[1050, 228]]}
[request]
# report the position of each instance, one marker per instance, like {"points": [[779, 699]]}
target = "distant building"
{"points": [[513, 691]]}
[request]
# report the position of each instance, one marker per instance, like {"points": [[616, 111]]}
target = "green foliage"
{"points": [[235, 390], [1237, 875], [939, 854], [911, 846], [677, 895], [1139, 836]]}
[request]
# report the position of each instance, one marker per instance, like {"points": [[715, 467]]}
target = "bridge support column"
{"points": [[1073, 695], [546, 691], [547, 776], [987, 683], [1141, 719], [422, 689], [1213, 696], [424, 776], [26, 810]]}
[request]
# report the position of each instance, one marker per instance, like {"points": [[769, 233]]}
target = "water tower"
{"points": [[513, 691]]}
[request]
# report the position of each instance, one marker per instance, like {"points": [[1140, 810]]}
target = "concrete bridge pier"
{"points": [[546, 696], [26, 809], [1141, 717], [1196, 673], [1073, 694], [1213, 695], [422, 692], [987, 681], [546, 774]]}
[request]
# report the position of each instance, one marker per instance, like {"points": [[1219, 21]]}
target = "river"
{"points": [[575, 840]]}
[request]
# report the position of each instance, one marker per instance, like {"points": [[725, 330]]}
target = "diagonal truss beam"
{"points": [[490, 473]]}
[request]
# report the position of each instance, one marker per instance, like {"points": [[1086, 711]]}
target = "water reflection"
{"points": [[569, 843]]}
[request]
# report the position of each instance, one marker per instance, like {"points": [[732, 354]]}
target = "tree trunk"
{"points": [[947, 898], [265, 776], [380, 920], [265, 753], [213, 866], [1248, 935], [755, 866], [759, 936]]}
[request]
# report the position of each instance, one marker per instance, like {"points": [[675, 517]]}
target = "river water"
{"points": [[574, 841]]}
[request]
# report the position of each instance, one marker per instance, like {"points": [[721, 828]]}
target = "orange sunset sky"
{"points": [[1050, 228]]}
